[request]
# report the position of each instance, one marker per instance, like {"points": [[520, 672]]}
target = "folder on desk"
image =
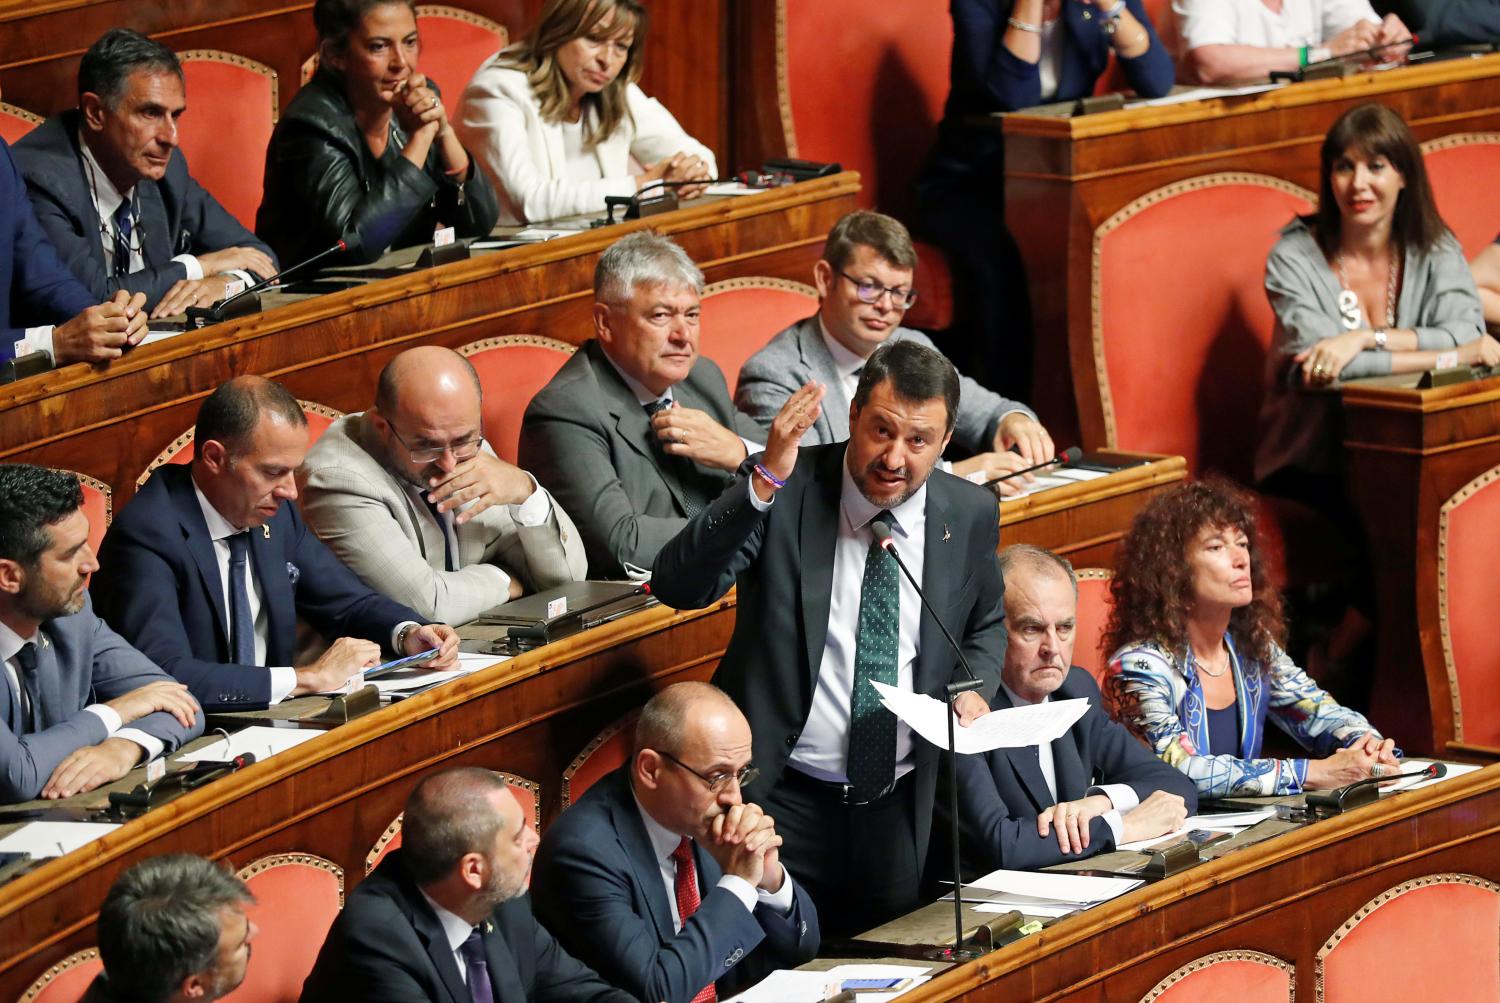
{"points": [[546, 616]]}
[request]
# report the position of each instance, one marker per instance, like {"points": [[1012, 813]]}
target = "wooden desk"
{"points": [[1068, 175], [110, 422], [1408, 452]]}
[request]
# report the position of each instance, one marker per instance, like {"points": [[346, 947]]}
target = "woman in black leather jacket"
{"points": [[364, 152]]}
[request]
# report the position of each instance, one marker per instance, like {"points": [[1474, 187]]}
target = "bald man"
{"points": [[410, 496]]}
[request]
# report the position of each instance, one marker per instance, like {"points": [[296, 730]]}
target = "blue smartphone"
{"points": [[871, 985], [421, 658]]}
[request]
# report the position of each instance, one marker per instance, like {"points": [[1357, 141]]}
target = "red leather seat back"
{"points": [[232, 108], [1452, 920], [607, 752], [1093, 614], [1227, 977], [66, 981], [1462, 169], [297, 898], [16, 122], [740, 315], [454, 43], [511, 370], [180, 449], [527, 793], [1468, 552], [1181, 363]]}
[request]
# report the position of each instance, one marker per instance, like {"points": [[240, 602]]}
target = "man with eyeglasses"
{"points": [[210, 567], [662, 878], [412, 498], [864, 282]]}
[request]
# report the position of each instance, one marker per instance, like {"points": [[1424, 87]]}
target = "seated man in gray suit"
{"points": [[78, 706], [636, 433], [411, 498], [864, 289], [113, 192]]}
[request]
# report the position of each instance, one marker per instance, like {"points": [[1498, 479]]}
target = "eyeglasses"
{"points": [[870, 292], [465, 450], [716, 783]]}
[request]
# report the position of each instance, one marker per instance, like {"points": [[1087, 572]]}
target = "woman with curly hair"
{"points": [[1198, 666]]}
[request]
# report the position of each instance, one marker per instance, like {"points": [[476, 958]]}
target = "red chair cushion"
{"points": [[739, 317], [224, 135], [1462, 182], [68, 985], [934, 283], [295, 904], [15, 123], [1232, 980], [511, 375], [453, 47], [605, 754], [1088, 633], [1471, 552]]}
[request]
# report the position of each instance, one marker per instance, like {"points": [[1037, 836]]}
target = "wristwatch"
{"points": [[1110, 19], [1380, 339]]}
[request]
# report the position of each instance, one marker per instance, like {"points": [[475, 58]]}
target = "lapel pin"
{"points": [[266, 529], [946, 535]]}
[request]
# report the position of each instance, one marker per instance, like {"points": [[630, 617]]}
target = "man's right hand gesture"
{"points": [[345, 658], [101, 332], [787, 429]]}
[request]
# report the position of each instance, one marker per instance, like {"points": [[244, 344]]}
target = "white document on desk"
{"points": [[1046, 887], [53, 839], [1006, 728], [1236, 822], [788, 986], [1415, 783], [261, 742], [471, 662]]}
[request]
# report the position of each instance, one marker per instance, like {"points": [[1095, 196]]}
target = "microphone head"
{"points": [[882, 533], [1436, 771], [1069, 456]]}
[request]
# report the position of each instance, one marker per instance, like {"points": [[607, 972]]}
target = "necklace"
{"points": [[1349, 312], [1203, 665]]}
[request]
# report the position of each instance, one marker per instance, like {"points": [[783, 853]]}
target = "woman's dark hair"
{"points": [[1373, 130], [337, 19], [1152, 589]]}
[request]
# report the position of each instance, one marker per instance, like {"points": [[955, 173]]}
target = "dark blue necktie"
{"points": [[478, 974], [877, 641], [450, 559], [241, 623], [124, 224], [29, 714], [672, 466]]}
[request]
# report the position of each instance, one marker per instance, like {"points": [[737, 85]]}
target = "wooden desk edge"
{"points": [[1163, 469]]}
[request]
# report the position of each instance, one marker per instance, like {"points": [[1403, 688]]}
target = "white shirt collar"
{"points": [[218, 527], [455, 927], [1016, 701], [638, 388], [859, 510], [663, 840], [107, 197], [11, 642], [844, 361]]}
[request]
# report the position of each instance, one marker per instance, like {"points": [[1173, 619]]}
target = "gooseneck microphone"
{"points": [[882, 534], [1362, 792], [1066, 458], [220, 311]]}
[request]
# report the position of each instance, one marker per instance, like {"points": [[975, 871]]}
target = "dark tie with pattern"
{"points": [[477, 969], [450, 560], [686, 887], [672, 466], [872, 728], [124, 224], [241, 623], [30, 714]]}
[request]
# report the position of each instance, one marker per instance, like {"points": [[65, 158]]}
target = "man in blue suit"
{"points": [[208, 567], [661, 878], [113, 192], [78, 706]]}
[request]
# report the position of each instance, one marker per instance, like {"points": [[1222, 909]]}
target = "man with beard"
{"points": [[445, 917], [173, 929], [412, 498], [70, 685], [662, 877], [823, 611]]}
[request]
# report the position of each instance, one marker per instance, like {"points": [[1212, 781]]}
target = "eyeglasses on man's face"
{"points": [[870, 291], [718, 781], [466, 449]]}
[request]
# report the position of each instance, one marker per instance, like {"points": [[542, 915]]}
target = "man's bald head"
{"points": [[664, 721], [425, 372], [427, 404], [691, 745]]}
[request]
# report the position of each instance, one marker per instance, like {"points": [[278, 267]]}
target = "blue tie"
{"points": [[29, 713], [481, 990], [123, 227], [450, 561], [241, 623]]}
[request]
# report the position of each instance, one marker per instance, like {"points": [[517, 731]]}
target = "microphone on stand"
{"points": [[1326, 804], [639, 204], [1066, 458], [249, 298]]}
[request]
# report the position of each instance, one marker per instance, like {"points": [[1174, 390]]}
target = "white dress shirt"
{"points": [[1251, 22], [646, 397], [664, 843], [10, 647], [456, 930]]}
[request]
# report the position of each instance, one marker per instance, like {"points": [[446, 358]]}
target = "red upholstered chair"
{"points": [[180, 449], [512, 368], [1227, 977], [1468, 549], [66, 981], [608, 751], [1452, 919], [233, 107], [454, 43], [528, 793], [1093, 614], [16, 122], [1462, 169], [741, 315], [297, 898]]}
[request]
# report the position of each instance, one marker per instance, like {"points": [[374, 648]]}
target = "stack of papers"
{"points": [[1413, 765], [1215, 823], [800, 986], [53, 839], [259, 741], [1041, 893], [1007, 728]]}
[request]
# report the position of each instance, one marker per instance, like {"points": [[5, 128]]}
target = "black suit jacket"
{"points": [[158, 583], [1002, 792], [178, 216], [387, 946], [783, 562], [598, 887]]}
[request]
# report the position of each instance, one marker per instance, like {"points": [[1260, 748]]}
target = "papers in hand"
{"points": [[1007, 728], [259, 741], [1041, 893], [53, 839]]}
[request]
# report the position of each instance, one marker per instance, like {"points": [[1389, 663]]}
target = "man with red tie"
{"points": [[662, 878]]}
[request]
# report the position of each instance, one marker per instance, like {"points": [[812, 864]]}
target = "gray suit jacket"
{"points": [[587, 440], [799, 354], [369, 519], [79, 662]]}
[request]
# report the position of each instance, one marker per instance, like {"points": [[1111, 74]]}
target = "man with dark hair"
{"points": [[71, 686], [824, 611], [661, 876], [412, 498], [864, 282], [209, 566], [173, 929], [113, 192], [445, 918]]}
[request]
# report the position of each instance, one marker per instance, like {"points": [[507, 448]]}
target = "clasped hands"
{"points": [[743, 841]]}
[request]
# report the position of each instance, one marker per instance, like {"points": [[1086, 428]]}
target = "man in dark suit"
{"points": [[209, 566], [636, 433], [172, 929], [445, 918], [661, 877], [823, 611], [113, 192], [78, 706], [1083, 793]]}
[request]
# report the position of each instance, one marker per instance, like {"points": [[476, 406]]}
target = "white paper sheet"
{"points": [[1007, 728], [413, 679], [53, 839], [731, 188], [1216, 823], [788, 987], [1034, 908], [1413, 765], [1204, 94], [1080, 889], [262, 742], [469, 662]]}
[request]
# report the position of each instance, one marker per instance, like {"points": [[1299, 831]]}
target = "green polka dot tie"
{"points": [[872, 728]]}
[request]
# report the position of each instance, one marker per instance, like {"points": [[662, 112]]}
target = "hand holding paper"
{"points": [[1007, 728]]}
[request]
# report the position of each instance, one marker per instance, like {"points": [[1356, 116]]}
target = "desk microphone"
{"points": [[1066, 458], [644, 203], [248, 297], [1366, 791]]}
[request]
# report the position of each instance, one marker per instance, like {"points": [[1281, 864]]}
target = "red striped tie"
{"points": [[687, 900]]}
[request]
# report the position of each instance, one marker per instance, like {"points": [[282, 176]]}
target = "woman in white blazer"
{"points": [[555, 120]]}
